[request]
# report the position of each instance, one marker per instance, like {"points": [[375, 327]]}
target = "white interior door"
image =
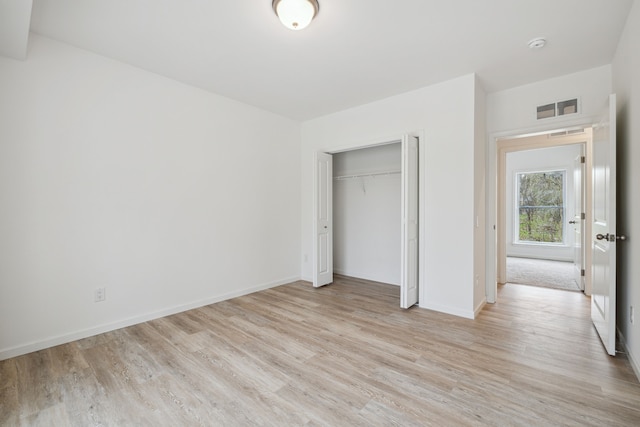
{"points": [[409, 212], [603, 239], [578, 221], [323, 220]]}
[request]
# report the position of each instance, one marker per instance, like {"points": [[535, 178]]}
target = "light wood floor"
{"points": [[343, 355]]}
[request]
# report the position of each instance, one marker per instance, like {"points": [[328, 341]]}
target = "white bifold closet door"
{"points": [[409, 214], [323, 220]]}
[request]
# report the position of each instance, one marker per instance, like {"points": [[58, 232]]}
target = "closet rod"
{"points": [[363, 175]]}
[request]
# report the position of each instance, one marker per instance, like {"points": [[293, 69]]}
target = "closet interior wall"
{"points": [[366, 213]]}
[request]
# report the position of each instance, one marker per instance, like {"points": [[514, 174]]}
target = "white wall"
{"points": [[542, 159], [626, 82], [366, 214], [169, 196], [512, 112], [445, 112], [15, 18]]}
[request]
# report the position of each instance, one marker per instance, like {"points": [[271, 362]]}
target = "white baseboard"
{"points": [[479, 308], [634, 364], [468, 314], [85, 333]]}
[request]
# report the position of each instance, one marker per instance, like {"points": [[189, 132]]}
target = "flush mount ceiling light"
{"points": [[296, 14], [537, 43]]}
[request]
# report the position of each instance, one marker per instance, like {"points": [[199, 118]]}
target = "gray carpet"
{"points": [[538, 272]]}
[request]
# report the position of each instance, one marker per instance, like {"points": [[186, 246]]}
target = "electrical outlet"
{"points": [[631, 320], [100, 294]]}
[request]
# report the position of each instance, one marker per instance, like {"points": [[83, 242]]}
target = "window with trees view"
{"points": [[540, 207]]}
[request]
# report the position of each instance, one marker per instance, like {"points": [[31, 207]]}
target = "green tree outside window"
{"points": [[541, 206]]}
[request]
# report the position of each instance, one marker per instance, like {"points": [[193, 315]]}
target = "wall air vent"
{"points": [[556, 109], [546, 111], [575, 131], [569, 106], [558, 134], [562, 133]]}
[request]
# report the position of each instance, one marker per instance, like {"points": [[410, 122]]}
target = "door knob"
{"points": [[611, 237], [572, 222]]}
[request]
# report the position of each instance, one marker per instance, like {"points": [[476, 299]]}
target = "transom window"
{"points": [[540, 209]]}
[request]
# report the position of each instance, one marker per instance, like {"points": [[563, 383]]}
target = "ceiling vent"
{"points": [[560, 108]]}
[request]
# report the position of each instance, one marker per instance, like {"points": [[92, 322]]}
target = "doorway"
{"points": [[542, 215]]}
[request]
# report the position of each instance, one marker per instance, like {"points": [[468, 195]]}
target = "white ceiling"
{"points": [[354, 52]]}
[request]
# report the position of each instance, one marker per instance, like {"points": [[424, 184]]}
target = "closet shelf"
{"points": [[365, 175]]}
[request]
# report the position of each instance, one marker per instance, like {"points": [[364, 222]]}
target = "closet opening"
{"points": [[366, 210], [366, 213]]}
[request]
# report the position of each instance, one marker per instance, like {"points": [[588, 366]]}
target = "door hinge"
{"points": [[583, 215], [583, 159], [582, 272]]}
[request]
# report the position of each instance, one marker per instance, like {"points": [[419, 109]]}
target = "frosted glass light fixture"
{"points": [[296, 14]]}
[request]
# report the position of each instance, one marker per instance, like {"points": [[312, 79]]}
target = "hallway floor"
{"points": [[541, 272]]}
